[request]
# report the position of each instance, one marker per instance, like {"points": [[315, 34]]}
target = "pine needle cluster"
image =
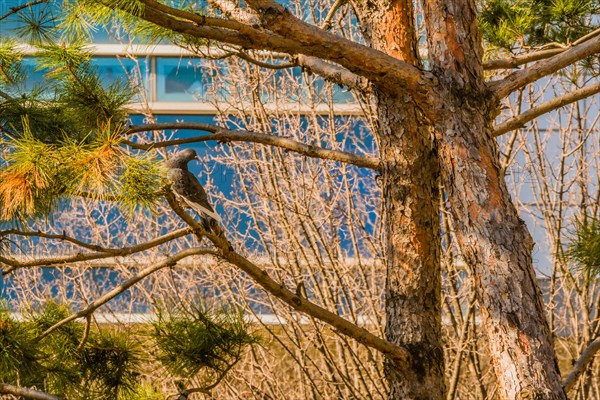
{"points": [[108, 363], [104, 368], [63, 139], [512, 24], [194, 343], [584, 247]]}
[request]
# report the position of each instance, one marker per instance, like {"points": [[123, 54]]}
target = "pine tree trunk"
{"points": [[410, 193], [411, 197], [493, 239], [497, 244]]}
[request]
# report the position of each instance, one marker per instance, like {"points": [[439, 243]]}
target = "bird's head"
{"points": [[187, 155], [181, 159]]}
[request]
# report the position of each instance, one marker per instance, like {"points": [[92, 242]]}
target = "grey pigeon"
{"points": [[185, 185]]}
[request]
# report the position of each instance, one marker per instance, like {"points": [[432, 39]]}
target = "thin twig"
{"points": [[516, 61], [245, 56], [168, 262], [125, 251], [59, 237], [86, 332], [334, 8], [519, 79], [26, 392]]}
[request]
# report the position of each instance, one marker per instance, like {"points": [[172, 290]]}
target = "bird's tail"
{"points": [[203, 210]]}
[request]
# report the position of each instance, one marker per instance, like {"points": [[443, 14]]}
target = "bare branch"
{"points": [[247, 37], [521, 119], [517, 61], [586, 357], [226, 135], [299, 303], [168, 262], [302, 304], [196, 18], [540, 69], [58, 237], [362, 60], [232, 10], [125, 251], [246, 57], [334, 8], [86, 332], [25, 392], [334, 73]]}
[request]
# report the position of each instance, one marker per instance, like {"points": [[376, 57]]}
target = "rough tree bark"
{"points": [[410, 174], [410, 191], [493, 238]]}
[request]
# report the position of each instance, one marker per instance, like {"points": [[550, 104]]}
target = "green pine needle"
{"points": [[192, 339], [584, 247], [140, 183], [110, 362]]}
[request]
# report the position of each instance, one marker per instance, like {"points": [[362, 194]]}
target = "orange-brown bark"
{"points": [[410, 171]]}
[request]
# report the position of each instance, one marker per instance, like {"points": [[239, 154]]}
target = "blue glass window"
{"points": [[110, 69], [181, 79]]}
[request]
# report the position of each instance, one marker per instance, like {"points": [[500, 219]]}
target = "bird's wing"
{"points": [[185, 184]]}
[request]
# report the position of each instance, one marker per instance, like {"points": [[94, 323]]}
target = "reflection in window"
{"points": [[181, 79], [111, 69]]}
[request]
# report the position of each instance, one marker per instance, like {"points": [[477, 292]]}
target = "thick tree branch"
{"points": [[168, 262], [226, 135], [540, 69], [365, 61], [302, 304], [521, 119], [232, 10], [192, 17], [584, 360], [25, 392], [293, 36], [334, 73], [516, 61], [106, 253], [330, 72], [299, 303], [246, 37]]}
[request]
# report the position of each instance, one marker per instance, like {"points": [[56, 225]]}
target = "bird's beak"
{"points": [[198, 158]]}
